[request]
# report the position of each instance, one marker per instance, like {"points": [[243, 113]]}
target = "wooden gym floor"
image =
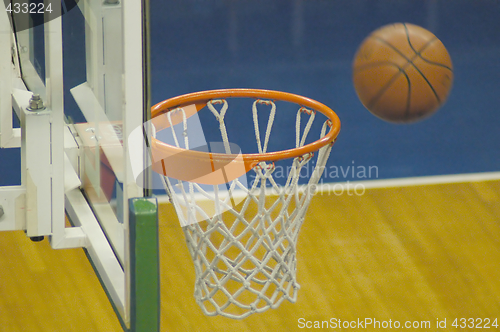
{"points": [[402, 254]]}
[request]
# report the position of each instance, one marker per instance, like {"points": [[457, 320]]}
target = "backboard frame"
{"points": [[117, 77]]}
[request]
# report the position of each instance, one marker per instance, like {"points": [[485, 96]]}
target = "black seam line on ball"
{"points": [[418, 53], [408, 99], [410, 61], [381, 92]]}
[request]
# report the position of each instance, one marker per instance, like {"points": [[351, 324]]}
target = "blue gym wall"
{"points": [[306, 47]]}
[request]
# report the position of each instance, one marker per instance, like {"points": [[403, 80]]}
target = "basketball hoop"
{"points": [[243, 240]]}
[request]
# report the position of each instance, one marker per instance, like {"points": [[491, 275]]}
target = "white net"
{"points": [[243, 238]]}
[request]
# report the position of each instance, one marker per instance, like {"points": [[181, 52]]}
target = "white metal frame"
{"points": [[49, 147]]}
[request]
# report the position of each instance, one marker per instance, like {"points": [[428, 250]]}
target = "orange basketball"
{"points": [[402, 73]]}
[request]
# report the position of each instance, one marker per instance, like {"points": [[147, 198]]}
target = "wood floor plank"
{"points": [[49, 290], [415, 253]]}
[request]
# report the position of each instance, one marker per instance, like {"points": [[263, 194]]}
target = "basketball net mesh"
{"points": [[245, 254]]}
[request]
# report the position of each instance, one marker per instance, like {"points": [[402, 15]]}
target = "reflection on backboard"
{"points": [[93, 84]]}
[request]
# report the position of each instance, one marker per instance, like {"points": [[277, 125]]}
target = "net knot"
{"points": [[307, 111], [305, 157], [217, 101], [264, 102], [313, 189], [266, 168]]}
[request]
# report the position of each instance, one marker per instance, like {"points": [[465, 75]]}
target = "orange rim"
{"points": [[253, 158]]}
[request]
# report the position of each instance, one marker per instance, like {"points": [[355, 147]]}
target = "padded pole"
{"points": [[144, 265]]}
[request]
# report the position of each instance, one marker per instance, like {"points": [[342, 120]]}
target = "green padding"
{"points": [[144, 265]]}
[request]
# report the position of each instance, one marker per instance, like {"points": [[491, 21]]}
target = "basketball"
{"points": [[402, 73]]}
